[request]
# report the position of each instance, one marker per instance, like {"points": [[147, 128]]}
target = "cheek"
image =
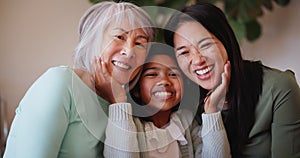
{"points": [[145, 93], [107, 53], [140, 58], [180, 87], [183, 65], [223, 54]]}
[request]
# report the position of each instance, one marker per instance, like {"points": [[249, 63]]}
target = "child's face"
{"points": [[161, 83]]}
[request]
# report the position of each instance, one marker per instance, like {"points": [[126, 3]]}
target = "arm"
{"points": [[121, 134], [41, 119], [214, 137], [286, 117]]}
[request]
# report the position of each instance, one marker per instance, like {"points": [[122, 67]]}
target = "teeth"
{"points": [[162, 94], [121, 65], [204, 71]]}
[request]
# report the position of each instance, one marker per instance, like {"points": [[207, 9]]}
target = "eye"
{"points": [[120, 37], [150, 74], [174, 74], [141, 42], [143, 45], [182, 53], [206, 45]]}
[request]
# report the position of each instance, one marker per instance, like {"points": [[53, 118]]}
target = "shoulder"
{"points": [[54, 78], [277, 79], [281, 87], [60, 74], [59, 71]]}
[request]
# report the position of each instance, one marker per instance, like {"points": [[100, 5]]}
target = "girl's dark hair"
{"points": [[246, 76]]}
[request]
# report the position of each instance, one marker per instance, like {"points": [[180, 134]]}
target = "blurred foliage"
{"points": [[242, 14]]}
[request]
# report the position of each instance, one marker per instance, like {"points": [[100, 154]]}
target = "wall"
{"points": [[37, 34], [279, 44], [34, 35]]}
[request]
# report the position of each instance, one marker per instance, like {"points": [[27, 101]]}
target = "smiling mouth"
{"points": [[204, 71], [121, 65], [162, 94]]}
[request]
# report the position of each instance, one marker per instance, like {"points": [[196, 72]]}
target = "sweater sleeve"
{"points": [[214, 137], [121, 133], [41, 118]]}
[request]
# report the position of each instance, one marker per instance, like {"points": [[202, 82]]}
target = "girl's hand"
{"points": [[216, 98], [106, 86]]}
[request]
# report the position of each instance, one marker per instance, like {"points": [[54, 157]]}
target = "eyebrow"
{"points": [[141, 36], [200, 41], [126, 32], [206, 38], [155, 68]]}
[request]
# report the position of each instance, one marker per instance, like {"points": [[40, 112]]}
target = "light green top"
{"points": [[59, 116], [276, 130]]}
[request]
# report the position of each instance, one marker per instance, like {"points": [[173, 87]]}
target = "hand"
{"points": [[106, 86], [216, 97]]}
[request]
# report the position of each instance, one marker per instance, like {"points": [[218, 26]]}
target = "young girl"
{"points": [[160, 127]]}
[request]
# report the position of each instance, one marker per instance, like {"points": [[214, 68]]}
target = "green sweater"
{"points": [[276, 130], [60, 116]]}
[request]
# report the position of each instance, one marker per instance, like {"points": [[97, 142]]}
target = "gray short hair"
{"points": [[94, 22]]}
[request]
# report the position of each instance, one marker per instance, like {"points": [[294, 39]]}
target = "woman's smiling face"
{"points": [[200, 55], [124, 50]]}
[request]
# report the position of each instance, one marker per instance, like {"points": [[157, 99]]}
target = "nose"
{"points": [[127, 49], [164, 81], [197, 57]]}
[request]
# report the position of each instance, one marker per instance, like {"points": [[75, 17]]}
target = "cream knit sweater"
{"points": [[126, 138]]}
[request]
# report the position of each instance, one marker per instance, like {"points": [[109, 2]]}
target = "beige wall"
{"points": [[37, 34], [34, 35], [279, 45]]}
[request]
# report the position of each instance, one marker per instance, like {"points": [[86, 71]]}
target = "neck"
{"points": [[161, 118], [86, 77]]}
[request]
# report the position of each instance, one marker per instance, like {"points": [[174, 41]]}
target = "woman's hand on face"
{"points": [[216, 98], [106, 86]]}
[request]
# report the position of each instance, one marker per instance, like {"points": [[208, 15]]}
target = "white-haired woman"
{"points": [[64, 114]]}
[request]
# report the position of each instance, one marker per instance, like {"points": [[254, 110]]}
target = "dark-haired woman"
{"points": [[260, 105]]}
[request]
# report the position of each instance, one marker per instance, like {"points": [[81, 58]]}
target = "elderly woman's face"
{"points": [[123, 51], [200, 55]]}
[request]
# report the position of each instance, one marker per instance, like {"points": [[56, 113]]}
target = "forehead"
{"points": [[126, 28], [190, 30], [162, 61]]}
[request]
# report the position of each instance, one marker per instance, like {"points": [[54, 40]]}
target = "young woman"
{"points": [[61, 114], [261, 107], [161, 127]]}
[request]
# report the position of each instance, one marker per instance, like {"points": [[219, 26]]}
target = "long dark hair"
{"points": [[246, 76]]}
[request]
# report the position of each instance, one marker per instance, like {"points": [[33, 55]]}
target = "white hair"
{"points": [[94, 22]]}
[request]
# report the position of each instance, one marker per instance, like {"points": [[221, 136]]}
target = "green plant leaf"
{"points": [[253, 8], [268, 4], [282, 2], [95, 1], [242, 14], [253, 30], [239, 29], [143, 2], [174, 4]]}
